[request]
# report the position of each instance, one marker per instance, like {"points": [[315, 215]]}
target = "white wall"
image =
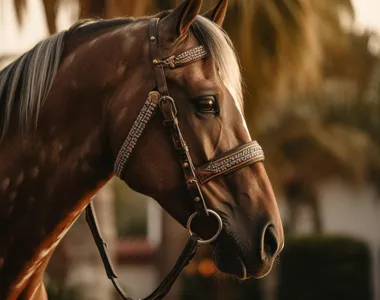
{"points": [[350, 211], [367, 13], [354, 212], [14, 40]]}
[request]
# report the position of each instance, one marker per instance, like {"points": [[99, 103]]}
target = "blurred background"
{"points": [[312, 82]]}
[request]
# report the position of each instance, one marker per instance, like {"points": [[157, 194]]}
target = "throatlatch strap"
{"points": [[163, 289]]}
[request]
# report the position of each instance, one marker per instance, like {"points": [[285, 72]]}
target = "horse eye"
{"points": [[207, 105]]}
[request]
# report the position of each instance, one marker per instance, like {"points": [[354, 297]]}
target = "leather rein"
{"points": [[229, 162]]}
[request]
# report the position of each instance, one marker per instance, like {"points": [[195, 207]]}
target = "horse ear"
{"points": [[180, 19], [218, 14]]}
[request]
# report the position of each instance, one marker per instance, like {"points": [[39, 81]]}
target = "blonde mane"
{"points": [[223, 53], [26, 82]]}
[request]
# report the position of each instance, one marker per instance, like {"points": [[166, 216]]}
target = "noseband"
{"points": [[226, 163]]}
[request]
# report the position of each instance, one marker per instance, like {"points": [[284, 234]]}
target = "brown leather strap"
{"points": [[184, 259], [169, 112], [92, 222], [163, 289], [162, 87]]}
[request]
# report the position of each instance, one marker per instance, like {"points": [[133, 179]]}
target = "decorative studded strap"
{"points": [[230, 161], [187, 57], [135, 133]]}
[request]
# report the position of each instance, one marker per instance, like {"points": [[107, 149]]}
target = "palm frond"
{"points": [[330, 132], [20, 7], [51, 10], [128, 8], [282, 45]]}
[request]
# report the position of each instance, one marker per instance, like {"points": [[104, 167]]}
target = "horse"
{"points": [[75, 106]]}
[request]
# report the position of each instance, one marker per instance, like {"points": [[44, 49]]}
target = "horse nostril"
{"points": [[270, 243]]}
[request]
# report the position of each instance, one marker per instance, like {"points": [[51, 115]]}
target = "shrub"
{"points": [[316, 268]]}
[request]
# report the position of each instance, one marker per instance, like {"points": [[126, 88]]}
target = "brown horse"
{"points": [[67, 107]]}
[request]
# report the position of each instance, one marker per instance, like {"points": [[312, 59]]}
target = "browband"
{"points": [[187, 57]]}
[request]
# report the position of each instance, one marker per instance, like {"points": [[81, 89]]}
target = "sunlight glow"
{"points": [[367, 14]]}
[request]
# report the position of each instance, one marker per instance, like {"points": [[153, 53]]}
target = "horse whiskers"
{"points": [[221, 278], [276, 260], [245, 276]]}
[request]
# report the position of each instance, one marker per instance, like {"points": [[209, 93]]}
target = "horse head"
{"points": [[205, 89]]}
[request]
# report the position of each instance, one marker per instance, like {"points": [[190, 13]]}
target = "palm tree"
{"points": [[88, 9], [322, 132], [51, 10]]}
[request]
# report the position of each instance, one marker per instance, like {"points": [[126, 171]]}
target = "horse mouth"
{"points": [[232, 259]]}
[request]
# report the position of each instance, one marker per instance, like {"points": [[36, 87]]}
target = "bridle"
{"points": [[229, 162]]}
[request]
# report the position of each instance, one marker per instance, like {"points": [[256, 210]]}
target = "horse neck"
{"points": [[48, 176]]}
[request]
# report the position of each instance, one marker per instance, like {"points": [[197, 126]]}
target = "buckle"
{"points": [[169, 62], [168, 108]]}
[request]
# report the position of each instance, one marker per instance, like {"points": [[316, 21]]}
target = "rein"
{"points": [[229, 162]]}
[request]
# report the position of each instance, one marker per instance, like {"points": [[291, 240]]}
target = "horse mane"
{"points": [[223, 53], [27, 81]]}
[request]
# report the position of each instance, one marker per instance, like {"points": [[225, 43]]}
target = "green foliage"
{"points": [[316, 268]]}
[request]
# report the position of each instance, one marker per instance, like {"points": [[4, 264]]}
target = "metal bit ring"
{"points": [[216, 235]]}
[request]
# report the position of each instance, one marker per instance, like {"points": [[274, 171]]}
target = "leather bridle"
{"points": [[229, 162]]}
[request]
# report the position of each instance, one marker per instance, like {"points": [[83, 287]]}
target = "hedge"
{"points": [[325, 268]]}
